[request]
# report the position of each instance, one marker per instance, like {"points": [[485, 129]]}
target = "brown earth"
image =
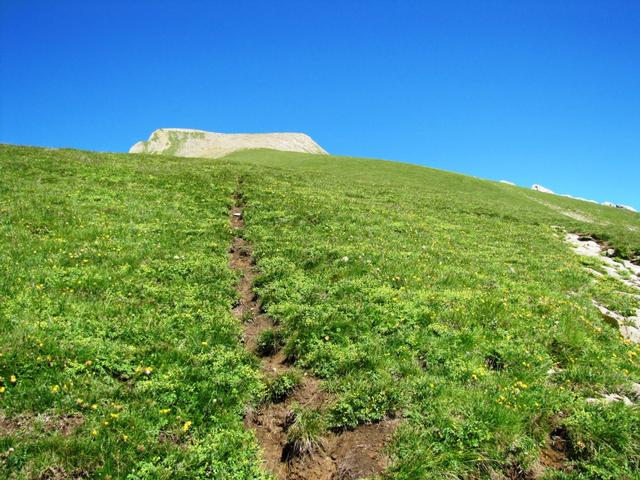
{"points": [[59, 473], [555, 453], [63, 424]]}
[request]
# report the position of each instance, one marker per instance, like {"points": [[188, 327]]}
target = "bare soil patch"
{"points": [[348, 455], [556, 453], [59, 473], [556, 450], [65, 425]]}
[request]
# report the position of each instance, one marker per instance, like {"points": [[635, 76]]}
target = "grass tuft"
{"points": [[305, 432]]}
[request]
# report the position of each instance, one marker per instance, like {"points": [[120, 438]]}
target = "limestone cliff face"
{"points": [[183, 142]]}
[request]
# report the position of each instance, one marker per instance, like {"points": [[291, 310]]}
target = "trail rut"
{"points": [[340, 455]]}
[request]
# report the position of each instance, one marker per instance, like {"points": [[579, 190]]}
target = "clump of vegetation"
{"points": [[464, 310], [281, 386], [115, 299], [599, 435], [305, 432], [269, 342]]}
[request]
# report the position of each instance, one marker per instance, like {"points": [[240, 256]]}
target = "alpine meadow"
{"points": [[272, 314]]}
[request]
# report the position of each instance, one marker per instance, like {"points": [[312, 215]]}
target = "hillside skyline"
{"points": [[536, 92]]}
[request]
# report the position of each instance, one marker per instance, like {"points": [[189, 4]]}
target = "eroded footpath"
{"points": [[345, 455]]}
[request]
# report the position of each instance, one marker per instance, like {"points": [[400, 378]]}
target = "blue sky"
{"points": [[533, 92]]}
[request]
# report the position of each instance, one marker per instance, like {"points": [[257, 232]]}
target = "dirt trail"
{"points": [[340, 455]]}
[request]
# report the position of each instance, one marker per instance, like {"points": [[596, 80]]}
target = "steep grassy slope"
{"points": [[115, 301], [448, 301]]}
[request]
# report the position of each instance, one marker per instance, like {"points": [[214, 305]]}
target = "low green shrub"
{"points": [[283, 385]]}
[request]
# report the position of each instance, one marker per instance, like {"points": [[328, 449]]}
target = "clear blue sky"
{"points": [[529, 91]]}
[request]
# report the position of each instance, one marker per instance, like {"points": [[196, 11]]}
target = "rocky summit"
{"points": [[183, 142]]}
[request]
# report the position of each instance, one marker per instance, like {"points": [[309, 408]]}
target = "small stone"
{"points": [[626, 401], [635, 390], [614, 397]]}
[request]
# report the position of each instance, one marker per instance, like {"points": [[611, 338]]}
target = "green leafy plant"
{"points": [[269, 342], [281, 386]]}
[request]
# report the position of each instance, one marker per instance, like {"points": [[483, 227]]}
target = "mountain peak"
{"points": [[184, 142]]}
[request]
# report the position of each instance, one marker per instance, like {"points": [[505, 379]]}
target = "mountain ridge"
{"points": [[185, 142]]}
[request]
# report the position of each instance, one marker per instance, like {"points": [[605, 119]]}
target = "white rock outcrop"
{"points": [[627, 207], [540, 188], [183, 142], [618, 205], [622, 270], [578, 198]]}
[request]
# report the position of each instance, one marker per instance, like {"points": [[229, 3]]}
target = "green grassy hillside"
{"points": [[449, 302]]}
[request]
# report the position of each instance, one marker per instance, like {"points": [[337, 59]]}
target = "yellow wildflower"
{"points": [[187, 426], [3, 389], [13, 379], [55, 389], [165, 411]]}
